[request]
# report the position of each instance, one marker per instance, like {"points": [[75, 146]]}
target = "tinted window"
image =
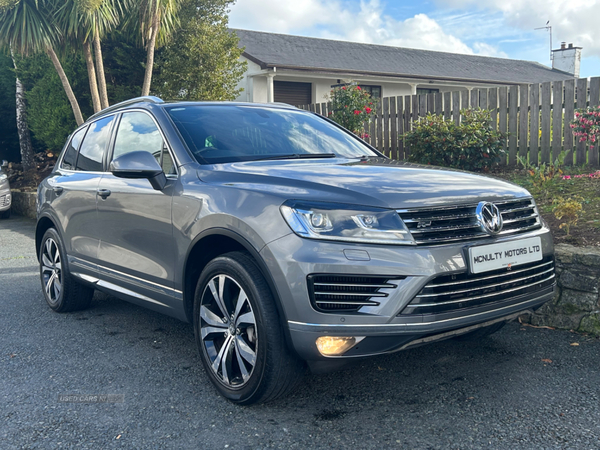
{"points": [[217, 134], [138, 132], [94, 145], [70, 157]]}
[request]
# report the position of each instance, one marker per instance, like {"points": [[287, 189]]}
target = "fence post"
{"points": [[557, 117], [513, 104], [523, 120], [593, 157], [447, 105], [502, 118], [545, 145], [534, 121], [569, 115], [580, 156], [456, 107], [407, 118], [493, 106], [394, 129], [385, 144], [400, 154]]}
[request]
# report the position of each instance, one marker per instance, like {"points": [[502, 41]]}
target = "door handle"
{"points": [[58, 190], [103, 193]]}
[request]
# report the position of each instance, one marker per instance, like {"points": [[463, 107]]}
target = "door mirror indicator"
{"points": [[139, 164]]}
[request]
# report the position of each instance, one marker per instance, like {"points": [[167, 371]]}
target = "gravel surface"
{"points": [[521, 388]]}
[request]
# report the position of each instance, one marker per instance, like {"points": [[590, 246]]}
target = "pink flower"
{"points": [[358, 88], [344, 88]]}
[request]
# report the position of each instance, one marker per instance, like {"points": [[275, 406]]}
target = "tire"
{"points": [[62, 292], [239, 333], [481, 333], [5, 214]]}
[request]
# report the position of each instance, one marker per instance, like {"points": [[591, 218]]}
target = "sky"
{"points": [[500, 28]]}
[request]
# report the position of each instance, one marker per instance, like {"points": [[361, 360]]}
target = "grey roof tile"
{"points": [[281, 50]]}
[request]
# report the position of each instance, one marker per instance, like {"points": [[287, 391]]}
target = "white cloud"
{"points": [[573, 21], [364, 22]]}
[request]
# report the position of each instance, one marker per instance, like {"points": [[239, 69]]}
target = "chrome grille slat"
{"points": [[445, 224], [335, 292], [454, 292], [476, 279], [469, 299], [462, 291]]}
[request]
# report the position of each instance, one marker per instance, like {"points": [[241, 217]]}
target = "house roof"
{"points": [[325, 55]]}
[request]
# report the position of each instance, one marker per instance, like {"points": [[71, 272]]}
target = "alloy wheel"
{"points": [[228, 331], [51, 270]]}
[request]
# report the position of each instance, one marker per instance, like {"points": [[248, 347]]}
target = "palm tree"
{"points": [[156, 20], [85, 21], [22, 127], [26, 27]]}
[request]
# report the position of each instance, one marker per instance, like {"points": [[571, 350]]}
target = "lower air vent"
{"points": [[347, 293], [462, 291]]}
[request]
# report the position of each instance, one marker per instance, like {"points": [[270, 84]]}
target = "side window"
{"points": [[94, 145], [138, 132], [68, 161]]}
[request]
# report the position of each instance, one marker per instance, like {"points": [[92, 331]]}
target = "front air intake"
{"points": [[347, 293]]}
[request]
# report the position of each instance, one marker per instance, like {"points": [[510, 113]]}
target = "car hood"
{"points": [[373, 182]]}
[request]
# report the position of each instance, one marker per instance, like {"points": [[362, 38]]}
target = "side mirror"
{"points": [[139, 164]]}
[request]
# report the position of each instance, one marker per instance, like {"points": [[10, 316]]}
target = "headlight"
{"points": [[338, 222]]}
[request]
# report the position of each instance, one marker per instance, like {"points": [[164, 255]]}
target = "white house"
{"points": [[302, 70]]}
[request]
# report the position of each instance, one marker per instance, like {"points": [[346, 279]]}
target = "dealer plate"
{"points": [[484, 258]]}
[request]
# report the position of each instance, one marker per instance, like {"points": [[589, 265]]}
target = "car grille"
{"points": [[440, 225], [454, 292], [4, 200], [342, 293]]}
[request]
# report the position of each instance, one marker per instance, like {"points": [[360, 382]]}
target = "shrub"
{"points": [[542, 177], [568, 209], [586, 125], [472, 145], [351, 107]]}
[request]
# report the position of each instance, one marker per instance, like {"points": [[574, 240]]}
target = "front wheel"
{"points": [[239, 334], [62, 292]]}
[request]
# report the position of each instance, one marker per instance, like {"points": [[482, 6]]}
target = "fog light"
{"points": [[334, 346]]}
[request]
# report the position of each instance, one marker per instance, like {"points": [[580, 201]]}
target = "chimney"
{"points": [[567, 59]]}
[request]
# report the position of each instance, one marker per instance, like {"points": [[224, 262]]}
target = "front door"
{"points": [[136, 253]]}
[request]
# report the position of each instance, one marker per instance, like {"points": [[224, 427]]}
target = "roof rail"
{"points": [[131, 101]]}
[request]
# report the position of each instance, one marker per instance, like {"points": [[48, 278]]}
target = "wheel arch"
{"points": [[212, 243], [43, 224]]}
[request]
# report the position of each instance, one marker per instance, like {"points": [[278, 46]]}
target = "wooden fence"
{"points": [[527, 114]]}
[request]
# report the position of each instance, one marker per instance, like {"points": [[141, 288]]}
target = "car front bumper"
{"points": [[5, 200], [383, 329]]}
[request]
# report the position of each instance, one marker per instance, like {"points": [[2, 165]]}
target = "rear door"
{"points": [[75, 187], [137, 251]]}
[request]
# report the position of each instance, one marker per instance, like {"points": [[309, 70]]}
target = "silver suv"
{"points": [[287, 241]]}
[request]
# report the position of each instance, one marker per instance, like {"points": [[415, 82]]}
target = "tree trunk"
{"points": [[66, 85], [100, 70], [89, 62], [150, 56], [22, 128]]}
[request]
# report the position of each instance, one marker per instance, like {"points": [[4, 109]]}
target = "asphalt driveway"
{"points": [[521, 388]]}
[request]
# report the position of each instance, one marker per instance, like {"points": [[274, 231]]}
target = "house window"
{"points": [[427, 91], [375, 91]]}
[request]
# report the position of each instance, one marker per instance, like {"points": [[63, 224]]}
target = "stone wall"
{"points": [[23, 203], [577, 303]]}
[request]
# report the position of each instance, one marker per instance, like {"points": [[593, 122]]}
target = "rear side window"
{"points": [[94, 145], [70, 157]]}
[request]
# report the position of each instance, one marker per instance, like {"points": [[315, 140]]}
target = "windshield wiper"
{"points": [[298, 156]]}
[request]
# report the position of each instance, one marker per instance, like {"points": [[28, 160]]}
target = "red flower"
{"points": [[368, 110], [344, 88], [357, 112], [358, 88]]}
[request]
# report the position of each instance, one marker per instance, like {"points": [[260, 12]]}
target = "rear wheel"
{"points": [[481, 333], [62, 292], [239, 334]]}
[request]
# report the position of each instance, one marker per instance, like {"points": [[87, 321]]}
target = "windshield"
{"points": [[227, 133]]}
